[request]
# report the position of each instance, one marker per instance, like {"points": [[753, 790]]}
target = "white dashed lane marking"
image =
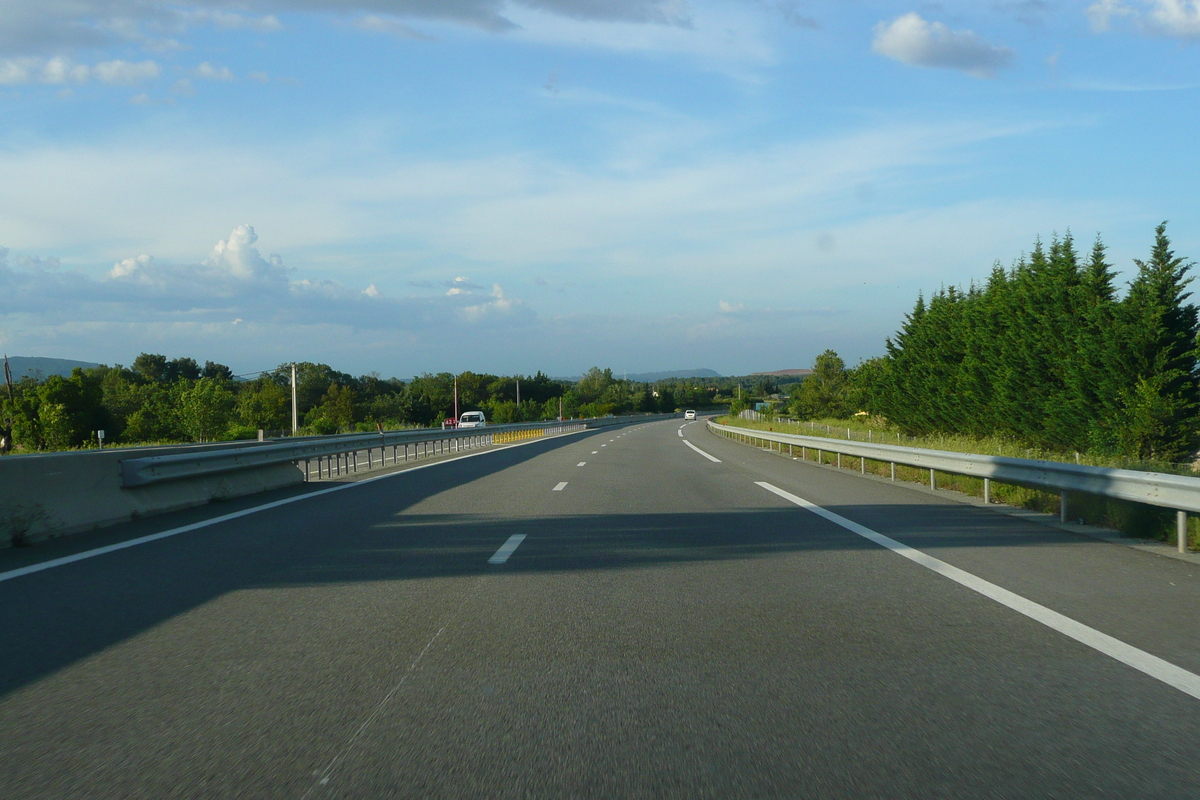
{"points": [[507, 549], [562, 485], [581, 463], [1155, 667], [713, 459]]}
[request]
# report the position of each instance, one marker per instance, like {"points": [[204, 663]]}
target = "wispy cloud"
{"points": [[235, 282], [210, 72], [391, 26], [1178, 19], [60, 70], [61, 26]]}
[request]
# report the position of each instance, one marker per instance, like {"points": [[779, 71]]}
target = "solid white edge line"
{"points": [[507, 549], [99, 551], [561, 485], [1155, 667], [713, 459], [680, 432]]}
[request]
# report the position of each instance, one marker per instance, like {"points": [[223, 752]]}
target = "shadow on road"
{"points": [[55, 618]]}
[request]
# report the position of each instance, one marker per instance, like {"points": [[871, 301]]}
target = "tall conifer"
{"points": [[1156, 353]]}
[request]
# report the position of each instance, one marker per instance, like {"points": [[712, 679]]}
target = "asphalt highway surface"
{"points": [[649, 611]]}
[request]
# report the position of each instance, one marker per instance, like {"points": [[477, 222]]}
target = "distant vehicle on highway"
{"points": [[472, 419], [689, 415]]}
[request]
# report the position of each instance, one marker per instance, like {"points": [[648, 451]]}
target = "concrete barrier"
{"points": [[55, 494]]}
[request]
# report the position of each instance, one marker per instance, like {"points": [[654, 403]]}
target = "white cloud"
{"points": [[235, 281], [42, 27], [231, 21], [730, 308], [125, 72], [238, 256], [258, 77], [164, 46], [725, 37], [910, 39], [60, 70], [57, 70], [1100, 14], [499, 305], [1179, 19], [14, 72], [390, 26], [212, 73]]}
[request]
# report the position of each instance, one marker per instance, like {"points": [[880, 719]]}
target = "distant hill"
{"points": [[651, 377], [43, 367], [785, 373]]}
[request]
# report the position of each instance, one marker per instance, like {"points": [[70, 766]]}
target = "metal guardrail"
{"points": [[328, 451], [1177, 492]]}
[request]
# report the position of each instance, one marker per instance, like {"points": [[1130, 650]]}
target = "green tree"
{"points": [[263, 404], [204, 408], [825, 392], [151, 366], [215, 370], [1157, 411]]}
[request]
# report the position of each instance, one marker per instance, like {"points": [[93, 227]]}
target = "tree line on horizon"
{"points": [[1045, 353], [177, 400]]}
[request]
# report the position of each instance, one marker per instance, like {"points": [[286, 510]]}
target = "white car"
{"points": [[689, 415], [472, 419]]}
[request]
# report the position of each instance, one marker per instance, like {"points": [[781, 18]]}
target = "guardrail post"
{"points": [[820, 456], [893, 470], [804, 453], [987, 490], [1181, 531], [932, 479], [839, 460], [862, 465], [306, 470], [790, 451], [1062, 506]]}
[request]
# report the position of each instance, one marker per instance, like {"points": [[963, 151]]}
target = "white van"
{"points": [[689, 414], [472, 419]]}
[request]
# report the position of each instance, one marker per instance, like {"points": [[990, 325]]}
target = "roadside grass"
{"points": [[1130, 519]]}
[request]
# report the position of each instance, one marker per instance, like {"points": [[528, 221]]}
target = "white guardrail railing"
{"points": [[338, 454], [1177, 492]]}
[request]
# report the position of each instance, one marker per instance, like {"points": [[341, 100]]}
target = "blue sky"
{"points": [[418, 185]]}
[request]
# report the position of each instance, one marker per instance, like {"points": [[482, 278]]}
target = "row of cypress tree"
{"points": [[1048, 353]]}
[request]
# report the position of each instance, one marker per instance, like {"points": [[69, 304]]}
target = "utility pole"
{"points": [[560, 409], [6, 442], [295, 419], [456, 400], [518, 392]]}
